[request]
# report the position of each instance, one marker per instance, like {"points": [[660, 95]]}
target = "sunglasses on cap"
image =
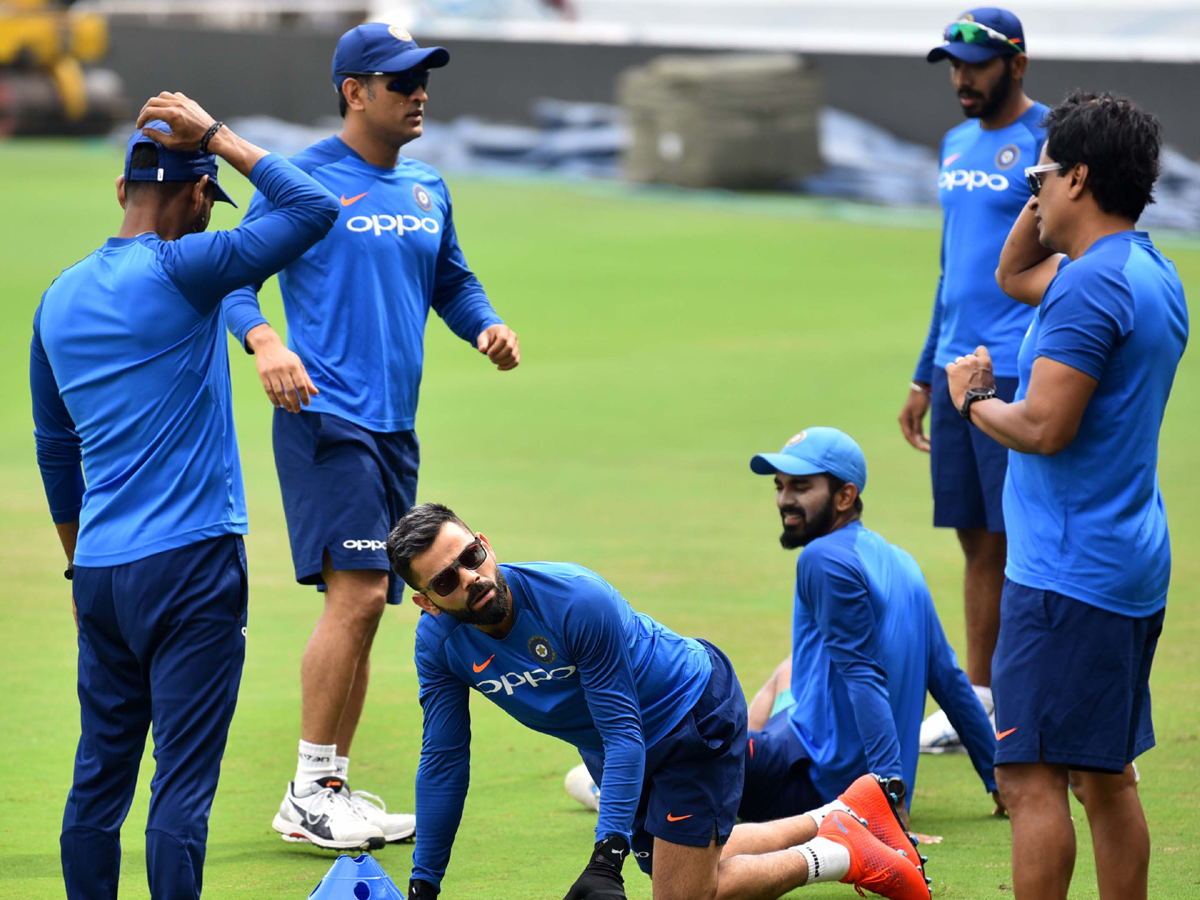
{"points": [[1033, 175], [445, 582], [401, 82], [969, 32]]}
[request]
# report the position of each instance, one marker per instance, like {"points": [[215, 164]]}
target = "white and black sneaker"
{"points": [[395, 826], [324, 817]]}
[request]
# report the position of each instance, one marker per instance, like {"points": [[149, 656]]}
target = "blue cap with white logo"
{"points": [[173, 165], [814, 451], [981, 34], [381, 49]]}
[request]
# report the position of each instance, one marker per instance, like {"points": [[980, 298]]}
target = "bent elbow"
{"points": [[1001, 279], [1050, 441]]}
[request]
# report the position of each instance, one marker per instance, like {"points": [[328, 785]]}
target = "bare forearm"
{"points": [[261, 336], [1008, 424], [1023, 271], [68, 534], [237, 151]]}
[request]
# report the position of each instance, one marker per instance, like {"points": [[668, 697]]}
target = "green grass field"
{"points": [[664, 342]]}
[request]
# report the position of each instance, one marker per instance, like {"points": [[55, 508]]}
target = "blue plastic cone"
{"points": [[360, 878]]}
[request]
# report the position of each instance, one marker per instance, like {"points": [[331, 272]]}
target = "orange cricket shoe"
{"points": [[874, 865], [866, 798]]}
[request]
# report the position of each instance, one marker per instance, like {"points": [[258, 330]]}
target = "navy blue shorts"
{"points": [[967, 466], [693, 778], [777, 784], [343, 487], [1071, 681]]}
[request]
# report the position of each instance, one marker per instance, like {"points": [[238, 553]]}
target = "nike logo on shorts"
{"points": [[671, 818], [1001, 735]]}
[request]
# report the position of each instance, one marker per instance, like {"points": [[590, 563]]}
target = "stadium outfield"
{"points": [[664, 342]]}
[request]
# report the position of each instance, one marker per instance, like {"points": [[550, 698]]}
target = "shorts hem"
{"points": [[1084, 762], [692, 840]]}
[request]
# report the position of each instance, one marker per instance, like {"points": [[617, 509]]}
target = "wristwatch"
{"points": [[972, 395], [895, 789]]}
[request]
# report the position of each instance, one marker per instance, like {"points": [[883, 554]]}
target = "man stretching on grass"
{"points": [[561, 651]]}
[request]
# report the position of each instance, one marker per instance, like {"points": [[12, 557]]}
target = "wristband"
{"points": [[208, 136], [920, 387]]}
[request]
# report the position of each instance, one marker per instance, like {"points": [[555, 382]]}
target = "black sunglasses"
{"points": [[445, 582], [401, 82], [1033, 176]]}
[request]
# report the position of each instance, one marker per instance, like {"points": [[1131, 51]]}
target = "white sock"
{"points": [[315, 761], [818, 815], [827, 860], [985, 697], [342, 765]]}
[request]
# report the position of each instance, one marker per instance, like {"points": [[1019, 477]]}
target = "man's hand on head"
{"points": [[188, 120], [971, 371], [499, 344]]}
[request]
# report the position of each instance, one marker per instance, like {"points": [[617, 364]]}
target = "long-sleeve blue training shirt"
{"points": [[357, 302], [129, 373], [866, 645], [579, 664]]}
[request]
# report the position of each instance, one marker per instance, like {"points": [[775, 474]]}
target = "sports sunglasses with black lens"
{"points": [[445, 582], [405, 83], [1033, 175]]}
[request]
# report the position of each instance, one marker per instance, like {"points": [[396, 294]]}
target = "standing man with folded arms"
{"points": [[129, 374], [982, 192], [356, 308], [1089, 555]]}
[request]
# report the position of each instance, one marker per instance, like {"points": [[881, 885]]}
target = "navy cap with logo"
{"points": [[981, 34], [815, 451], [381, 49], [173, 165]]}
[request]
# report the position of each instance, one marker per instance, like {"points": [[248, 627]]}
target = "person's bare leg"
{"points": [[685, 873], [1043, 842], [764, 700], [354, 603], [983, 582], [358, 696], [1120, 838], [761, 877], [765, 837]]}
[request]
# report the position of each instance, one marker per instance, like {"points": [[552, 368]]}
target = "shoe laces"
{"points": [[329, 799], [367, 798]]}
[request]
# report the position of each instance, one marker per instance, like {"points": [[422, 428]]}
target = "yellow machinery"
{"points": [[44, 88]]}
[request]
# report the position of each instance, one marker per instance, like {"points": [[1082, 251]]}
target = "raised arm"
{"points": [[1026, 267]]}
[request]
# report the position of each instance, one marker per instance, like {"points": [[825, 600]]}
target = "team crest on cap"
{"points": [[796, 438], [399, 33], [422, 197], [1007, 156], [541, 649]]}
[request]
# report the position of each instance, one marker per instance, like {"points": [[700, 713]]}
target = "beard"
{"points": [[994, 101], [807, 531], [493, 612]]}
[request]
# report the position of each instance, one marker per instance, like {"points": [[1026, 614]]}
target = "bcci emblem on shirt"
{"points": [[541, 650]]}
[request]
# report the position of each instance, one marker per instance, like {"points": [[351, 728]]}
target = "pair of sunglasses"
{"points": [[401, 82], [974, 33], [445, 582], [1033, 176]]}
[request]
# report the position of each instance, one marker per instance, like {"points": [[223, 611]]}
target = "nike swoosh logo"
{"points": [[945, 162], [478, 668], [310, 821], [671, 818], [347, 201], [1001, 735]]}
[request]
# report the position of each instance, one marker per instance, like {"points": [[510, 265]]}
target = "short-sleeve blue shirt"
{"points": [[1089, 522]]}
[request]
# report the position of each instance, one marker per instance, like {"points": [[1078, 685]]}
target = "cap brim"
{"points": [[770, 463], [968, 53], [219, 194], [425, 57]]}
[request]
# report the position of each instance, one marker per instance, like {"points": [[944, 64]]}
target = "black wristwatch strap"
{"points": [[69, 574], [208, 135], [972, 395]]}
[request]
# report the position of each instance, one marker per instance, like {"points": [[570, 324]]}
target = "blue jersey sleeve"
{"points": [[1084, 317], [241, 307], [205, 267], [952, 690], [444, 772], [59, 449], [595, 636], [458, 296], [835, 586]]}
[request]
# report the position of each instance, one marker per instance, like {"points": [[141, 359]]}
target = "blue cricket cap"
{"points": [[814, 451], [174, 165], [381, 49], [993, 17]]}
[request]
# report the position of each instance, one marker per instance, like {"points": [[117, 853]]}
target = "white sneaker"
{"points": [[580, 786], [324, 817], [395, 826], [939, 736]]}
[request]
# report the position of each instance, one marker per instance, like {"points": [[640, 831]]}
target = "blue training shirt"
{"points": [[357, 302], [982, 190], [129, 374], [866, 645], [1089, 522], [579, 664]]}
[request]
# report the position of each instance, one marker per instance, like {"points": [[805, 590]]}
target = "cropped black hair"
{"points": [[1119, 143], [836, 484], [414, 534], [365, 81]]}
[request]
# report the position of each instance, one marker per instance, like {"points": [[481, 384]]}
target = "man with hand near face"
{"points": [[345, 447], [1089, 555], [981, 192]]}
